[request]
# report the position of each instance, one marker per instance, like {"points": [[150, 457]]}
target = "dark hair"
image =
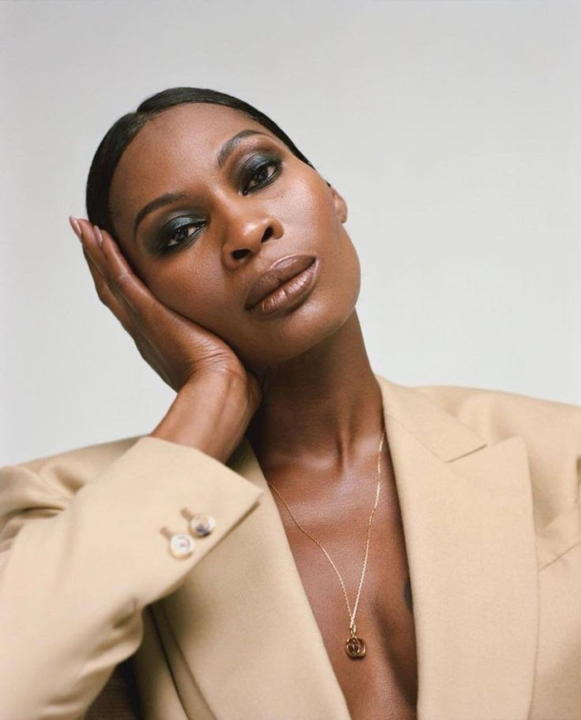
{"points": [[122, 132]]}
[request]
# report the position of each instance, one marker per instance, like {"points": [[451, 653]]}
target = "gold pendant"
{"points": [[355, 647]]}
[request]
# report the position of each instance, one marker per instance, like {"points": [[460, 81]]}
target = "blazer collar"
{"points": [[241, 627]]}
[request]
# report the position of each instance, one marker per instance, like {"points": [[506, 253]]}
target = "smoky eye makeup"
{"points": [[259, 171], [255, 168], [254, 150], [175, 233]]}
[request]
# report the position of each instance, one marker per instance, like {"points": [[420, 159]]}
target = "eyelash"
{"points": [[165, 247], [264, 164]]}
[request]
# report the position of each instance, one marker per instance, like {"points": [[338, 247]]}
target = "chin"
{"points": [[291, 335]]}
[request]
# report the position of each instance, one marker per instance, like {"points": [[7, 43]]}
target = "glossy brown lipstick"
{"points": [[284, 285]]}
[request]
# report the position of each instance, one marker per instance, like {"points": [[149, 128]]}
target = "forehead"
{"points": [[176, 145]]}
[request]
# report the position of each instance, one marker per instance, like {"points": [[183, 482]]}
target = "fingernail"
{"points": [[76, 227], [98, 235]]}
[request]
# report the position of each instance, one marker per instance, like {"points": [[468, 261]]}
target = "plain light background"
{"points": [[453, 130]]}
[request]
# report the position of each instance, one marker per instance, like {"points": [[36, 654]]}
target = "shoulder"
{"points": [[551, 431], [496, 415]]}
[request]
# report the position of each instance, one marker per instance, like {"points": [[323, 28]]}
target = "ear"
{"points": [[340, 204]]}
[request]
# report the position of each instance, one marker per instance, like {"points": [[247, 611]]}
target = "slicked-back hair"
{"points": [[124, 130]]}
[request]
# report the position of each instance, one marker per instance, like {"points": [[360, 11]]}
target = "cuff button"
{"points": [[201, 524], [181, 545]]}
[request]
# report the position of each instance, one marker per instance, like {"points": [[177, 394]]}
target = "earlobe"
{"points": [[340, 204]]}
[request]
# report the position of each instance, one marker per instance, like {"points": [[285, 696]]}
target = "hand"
{"points": [[174, 346]]}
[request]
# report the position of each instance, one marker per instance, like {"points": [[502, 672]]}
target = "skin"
{"points": [[316, 408]]}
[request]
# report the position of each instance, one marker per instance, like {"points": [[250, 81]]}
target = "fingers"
{"points": [[93, 256], [120, 289], [107, 297], [117, 273], [151, 316], [171, 343], [122, 277]]}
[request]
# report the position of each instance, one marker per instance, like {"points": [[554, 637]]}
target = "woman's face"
{"points": [[217, 228]]}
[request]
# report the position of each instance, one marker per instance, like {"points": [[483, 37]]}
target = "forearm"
{"points": [[210, 414], [73, 584]]}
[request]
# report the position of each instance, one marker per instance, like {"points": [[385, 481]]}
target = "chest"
{"points": [[384, 682]]}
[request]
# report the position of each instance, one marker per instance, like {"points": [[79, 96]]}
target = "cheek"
{"points": [[309, 209], [321, 225], [187, 286]]}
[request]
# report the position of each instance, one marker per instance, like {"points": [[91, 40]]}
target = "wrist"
{"points": [[209, 413]]}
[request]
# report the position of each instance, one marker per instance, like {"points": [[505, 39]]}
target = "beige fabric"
{"points": [[489, 491]]}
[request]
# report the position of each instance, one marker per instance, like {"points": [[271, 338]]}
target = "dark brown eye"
{"points": [[261, 175], [177, 234]]}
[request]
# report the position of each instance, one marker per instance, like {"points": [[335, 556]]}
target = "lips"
{"points": [[279, 273]]}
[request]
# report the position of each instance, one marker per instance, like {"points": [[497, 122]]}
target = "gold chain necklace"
{"points": [[355, 647]]}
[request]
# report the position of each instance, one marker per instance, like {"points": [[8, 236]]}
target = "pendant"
{"points": [[355, 647]]}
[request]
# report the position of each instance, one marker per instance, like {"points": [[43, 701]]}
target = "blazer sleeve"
{"points": [[77, 568]]}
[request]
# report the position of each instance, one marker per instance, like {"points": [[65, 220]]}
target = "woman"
{"points": [[374, 550]]}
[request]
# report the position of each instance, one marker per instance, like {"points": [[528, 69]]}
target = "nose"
{"points": [[246, 232]]}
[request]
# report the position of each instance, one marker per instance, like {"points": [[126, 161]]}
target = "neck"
{"points": [[322, 409]]}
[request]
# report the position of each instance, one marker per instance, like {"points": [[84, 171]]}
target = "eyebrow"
{"points": [[231, 144], [223, 154]]}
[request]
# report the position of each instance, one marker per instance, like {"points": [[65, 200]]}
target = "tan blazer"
{"points": [[488, 484]]}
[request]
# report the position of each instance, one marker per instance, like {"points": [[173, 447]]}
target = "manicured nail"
{"points": [[98, 235], [76, 227]]}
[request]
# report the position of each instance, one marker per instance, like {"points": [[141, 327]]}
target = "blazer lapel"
{"points": [[247, 636], [468, 524], [243, 632]]}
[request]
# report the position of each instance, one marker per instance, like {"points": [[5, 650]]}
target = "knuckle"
{"points": [[100, 294], [127, 325], [122, 278]]}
